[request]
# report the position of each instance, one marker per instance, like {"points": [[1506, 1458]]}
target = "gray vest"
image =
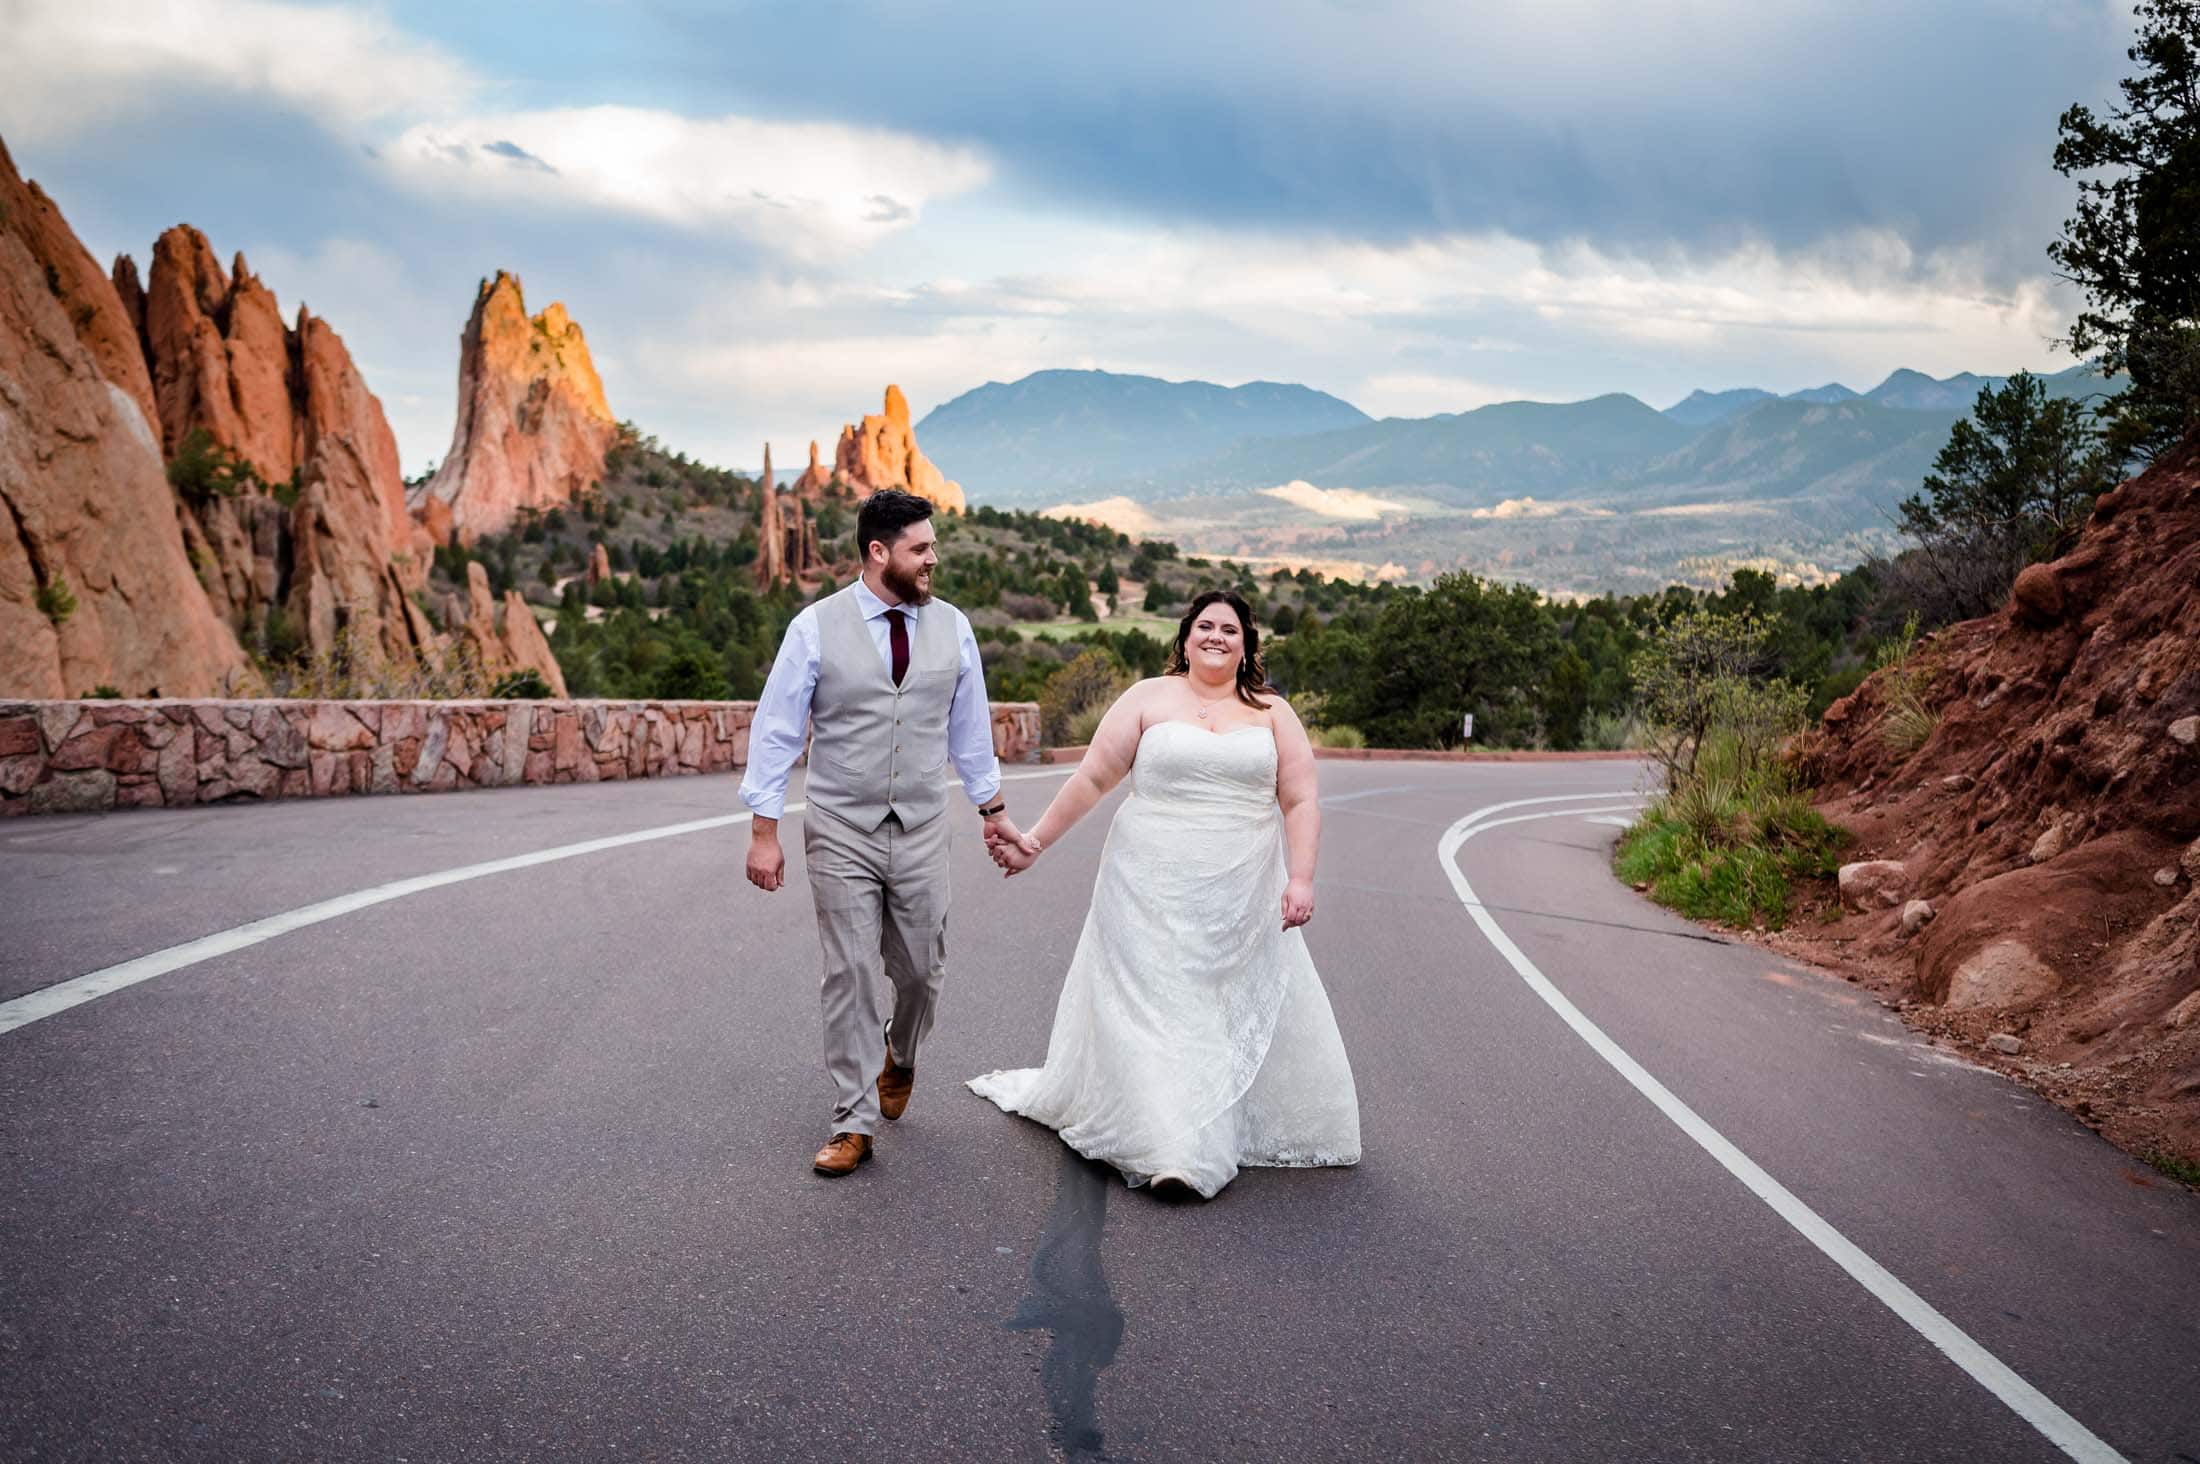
{"points": [[876, 748]]}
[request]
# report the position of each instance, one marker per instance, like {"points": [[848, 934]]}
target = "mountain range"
{"points": [[1071, 432], [1607, 492]]}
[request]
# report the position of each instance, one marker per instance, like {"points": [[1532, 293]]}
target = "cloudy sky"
{"points": [[762, 212]]}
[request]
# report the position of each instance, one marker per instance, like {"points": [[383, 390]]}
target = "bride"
{"points": [[1193, 1035]]}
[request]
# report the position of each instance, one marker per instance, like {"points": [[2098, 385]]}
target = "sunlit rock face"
{"points": [[881, 452], [96, 586], [533, 425], [319, 530], [817, 482]]}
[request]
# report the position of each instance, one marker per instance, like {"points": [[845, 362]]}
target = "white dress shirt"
{"points": [[782, 722]]}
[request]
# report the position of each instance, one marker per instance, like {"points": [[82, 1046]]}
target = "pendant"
{"points": [[1203, 714]]}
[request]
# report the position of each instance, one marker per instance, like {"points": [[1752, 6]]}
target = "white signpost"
{"points": [[1466, 727]]}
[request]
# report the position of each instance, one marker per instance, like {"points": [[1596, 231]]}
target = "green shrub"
{"points": [[690, 676], [1339, 737], [1614, 732], [1091, 680], [1910, 721], [358, 670], [1714, 853], [1085, 724], [203, 469], [525, 684], [102, 692], [55, 601]]}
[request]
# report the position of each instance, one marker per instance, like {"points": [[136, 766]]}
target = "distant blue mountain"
{"points": [[1059, 434], [1502, 450], [1701, 408], [1832, 391], [1066, 435]]}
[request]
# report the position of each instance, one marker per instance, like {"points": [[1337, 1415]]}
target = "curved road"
{"points": [[514, 1167]]}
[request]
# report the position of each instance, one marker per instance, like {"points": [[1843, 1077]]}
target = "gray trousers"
{"points": [[881, 913]]}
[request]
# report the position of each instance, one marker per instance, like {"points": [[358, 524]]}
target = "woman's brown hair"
{"points": [[1252, 672]]}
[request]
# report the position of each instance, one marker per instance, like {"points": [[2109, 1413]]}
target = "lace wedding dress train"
{"points": [[1193, 1035]]}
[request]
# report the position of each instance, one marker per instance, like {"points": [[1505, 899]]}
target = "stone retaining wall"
{"points": [[87, 756]]}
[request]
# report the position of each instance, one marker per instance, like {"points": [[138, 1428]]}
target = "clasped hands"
{"points": [[1011, 848]]}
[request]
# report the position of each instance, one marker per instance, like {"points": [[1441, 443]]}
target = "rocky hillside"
{"points": [[2049, 823], [96, 587], [533, 425]]}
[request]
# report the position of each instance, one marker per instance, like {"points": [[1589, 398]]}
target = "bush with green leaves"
{"points": [[56, 601], [1089, 683], [1732, 830], [525, 684], [1691, 671], [202, 470], [691, 676]]}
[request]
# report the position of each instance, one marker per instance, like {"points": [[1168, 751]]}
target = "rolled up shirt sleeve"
{"points": [[782, 722], [970, 722]]}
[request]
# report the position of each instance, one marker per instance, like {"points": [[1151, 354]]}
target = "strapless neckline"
{"points": [[1204, 732]]}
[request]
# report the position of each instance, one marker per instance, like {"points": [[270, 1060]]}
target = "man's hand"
{"points": [[1000, 830], [1014, 857], [767, 865], [1298, 903]]}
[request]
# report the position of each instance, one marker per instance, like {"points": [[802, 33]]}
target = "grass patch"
{"points": [[1159, 627], [2184, 1171], [1717, 850], [1910, 719]]}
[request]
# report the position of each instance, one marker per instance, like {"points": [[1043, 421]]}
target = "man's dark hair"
{"points": [[885, 514]]}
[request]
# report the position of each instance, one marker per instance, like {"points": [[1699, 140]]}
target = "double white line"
{"points": [[2022, 1399]]}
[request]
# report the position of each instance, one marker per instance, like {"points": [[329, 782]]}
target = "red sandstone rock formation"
{"points": [[290, 404], [220, 357], [514, 643], [599, 566], [882, 452], [817, 482], [2052, 818], [533, 425], [357, 556], [88, 513], [786, 538]]}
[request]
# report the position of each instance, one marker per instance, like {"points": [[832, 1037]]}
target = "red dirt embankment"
{"points": [[2052, 821]]}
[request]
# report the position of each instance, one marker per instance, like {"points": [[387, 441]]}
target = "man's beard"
{"points": [[904, 586]]}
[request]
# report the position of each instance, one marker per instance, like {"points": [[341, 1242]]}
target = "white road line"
{"points": [[62, 995], [1991, 1373]]}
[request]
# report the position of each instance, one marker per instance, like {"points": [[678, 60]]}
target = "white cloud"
{"points": [[802, 187], [71, 64]]}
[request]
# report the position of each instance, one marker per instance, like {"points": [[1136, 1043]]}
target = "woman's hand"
{"points": [[1298, 903]]}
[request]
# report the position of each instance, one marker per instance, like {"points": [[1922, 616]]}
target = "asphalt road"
{"points": [[516, 1168]]}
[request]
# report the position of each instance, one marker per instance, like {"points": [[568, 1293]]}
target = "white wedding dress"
{"points": [[1193, 1035]]}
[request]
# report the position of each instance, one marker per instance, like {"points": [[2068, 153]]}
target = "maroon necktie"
{"points": [[899, 636]]}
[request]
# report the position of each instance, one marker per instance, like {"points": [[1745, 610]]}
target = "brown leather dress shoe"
{"points": [[841, 1154], [895, 1082]]}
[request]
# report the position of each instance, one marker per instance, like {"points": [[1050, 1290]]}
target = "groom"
{"points": [[888, 684]]}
